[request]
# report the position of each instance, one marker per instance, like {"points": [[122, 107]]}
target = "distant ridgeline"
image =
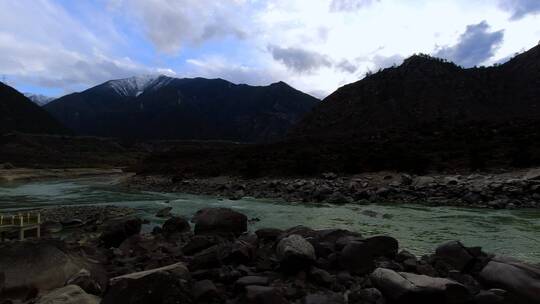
{"points": [[171, 108], [19, 114], [426, 114]]}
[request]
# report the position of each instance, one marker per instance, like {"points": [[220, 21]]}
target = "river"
{"points": [[418, 228]]}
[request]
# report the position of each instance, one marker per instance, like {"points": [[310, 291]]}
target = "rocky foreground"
{"points": [[213, 259], [508, 190]]}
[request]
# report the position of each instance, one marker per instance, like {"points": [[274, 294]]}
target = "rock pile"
{"points": [[218, 261]]}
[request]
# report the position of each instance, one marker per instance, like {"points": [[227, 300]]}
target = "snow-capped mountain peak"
{"points": [[39, 99], [135, 86]]}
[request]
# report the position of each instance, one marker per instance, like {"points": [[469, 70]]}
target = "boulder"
{"points": [[455, 254], [295, 252], [423, 182], [522, 281], [179, 270], [321, 298], [87, 282], [252, 280], [204, 290], [156, 287], [220, 221], [405, 287], [263, 295], [70, 294], [41, 266], [175, 225], [356, 258], [199, 243], [116, 232], [533, 174], [165, 212], [382, 245]]}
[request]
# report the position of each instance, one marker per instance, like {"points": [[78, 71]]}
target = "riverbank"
{"points": [[30, 174], [213, 259], [502, 190]]}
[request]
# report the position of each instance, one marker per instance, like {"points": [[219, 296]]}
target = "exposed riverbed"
{"points": [[419, 228]]}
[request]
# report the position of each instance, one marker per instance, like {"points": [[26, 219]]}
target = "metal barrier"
{"points": [[20, 222]]}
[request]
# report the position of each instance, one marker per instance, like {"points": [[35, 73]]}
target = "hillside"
{"points": [[171, 108], [425, 95], [19, 114]]}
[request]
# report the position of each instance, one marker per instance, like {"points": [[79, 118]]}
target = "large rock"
{"points": [[521, 280], [455, 254], [175, 225], [295, 252], [220, 221], [117, 231], [29, 267], [166, 285], [70, 294], [358, 256], [412, 288]]}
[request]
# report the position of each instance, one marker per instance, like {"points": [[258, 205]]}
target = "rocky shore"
{"points": [[211, 258], [516, 189]]}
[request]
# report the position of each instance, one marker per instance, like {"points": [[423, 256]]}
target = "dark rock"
{"points": [[220, 221], [72, 223], [385, 246], [264, 295], [321, 277], [412, 288], [252, 280], [165, 212], [175, 225], [87, 282], [204, 290], [116, 232], [522, 281], [321, 298], [210, 257], [199, 243], [70, 294], [455, 254], [366, 296], [294, 252], [157, 288], [37, 267], [356, 258], [268, 234], [492, 296]]}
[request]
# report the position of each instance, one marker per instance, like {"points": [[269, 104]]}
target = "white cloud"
{"points": [[170, 25]]}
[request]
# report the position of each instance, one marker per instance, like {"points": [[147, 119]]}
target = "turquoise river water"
{"points": [[418, 228]]}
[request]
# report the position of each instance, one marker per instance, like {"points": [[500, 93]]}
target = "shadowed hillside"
{"points": [[18, 113]]}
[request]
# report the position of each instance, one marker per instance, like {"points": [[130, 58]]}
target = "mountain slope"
{"points": [[425, 94], [171, 108], [18, 113], [39, 99]]}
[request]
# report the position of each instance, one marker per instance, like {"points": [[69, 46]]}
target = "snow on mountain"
{"points": [[39, 99], [135, 86]]}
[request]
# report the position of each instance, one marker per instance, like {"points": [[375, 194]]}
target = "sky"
{"points": [[56, 47]]}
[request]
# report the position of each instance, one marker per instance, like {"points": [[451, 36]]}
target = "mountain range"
{"points": [[162, 107], [18, 113]]}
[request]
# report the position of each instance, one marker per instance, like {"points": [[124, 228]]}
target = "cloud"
{"points": [[346, 66], [299, 60], [474, 47], [42, 45], [220, 67], [349, 5], [520, 8], [383, 62], [170, 25]]}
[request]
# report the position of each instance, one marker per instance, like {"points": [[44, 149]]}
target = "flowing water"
{"points": [[418, 228]]}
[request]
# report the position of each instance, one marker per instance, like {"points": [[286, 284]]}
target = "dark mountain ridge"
{"points": [[173, 108], [426, 93], [19, 114]]}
